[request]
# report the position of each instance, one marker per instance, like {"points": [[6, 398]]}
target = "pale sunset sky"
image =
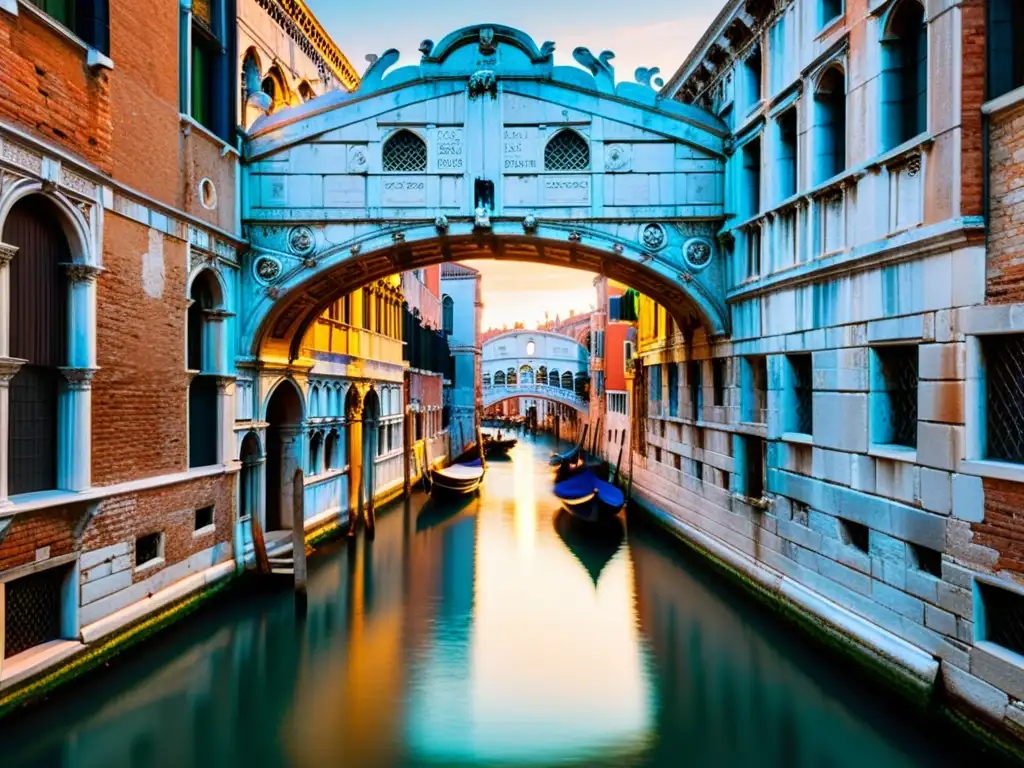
{"points": [[656, 33]]}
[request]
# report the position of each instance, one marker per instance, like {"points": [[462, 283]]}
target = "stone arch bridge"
{"points": [[483, 149]]}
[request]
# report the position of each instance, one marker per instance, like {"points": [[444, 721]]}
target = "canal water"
{"points": [[489, 631]]}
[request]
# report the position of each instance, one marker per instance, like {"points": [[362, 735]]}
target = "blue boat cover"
{"points": [[586, 482], [473, 463]]}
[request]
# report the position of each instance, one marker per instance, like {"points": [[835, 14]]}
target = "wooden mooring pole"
{"points": [[407, 453], [480, 447], [299, 540], [259, 545]]}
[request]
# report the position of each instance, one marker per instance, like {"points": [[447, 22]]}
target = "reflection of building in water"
{"points": [[729, 694]]}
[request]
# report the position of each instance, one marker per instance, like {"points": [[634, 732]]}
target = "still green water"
{"points": [[489, 631]]}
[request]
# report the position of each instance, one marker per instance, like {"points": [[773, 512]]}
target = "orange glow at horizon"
{"points": [[518, 291]]}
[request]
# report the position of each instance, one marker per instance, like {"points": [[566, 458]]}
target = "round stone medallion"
{"points": [[301, 241], [267, 269], [697, 253], [653, 236]]}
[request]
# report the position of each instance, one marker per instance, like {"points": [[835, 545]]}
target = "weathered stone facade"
{"points": [[835, 446]]}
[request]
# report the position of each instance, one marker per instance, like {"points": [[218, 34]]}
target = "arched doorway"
{"points": [[201, 354], [284, 453], [249, 481], [353, 445]]}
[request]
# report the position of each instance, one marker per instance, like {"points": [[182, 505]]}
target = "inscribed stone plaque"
{"points": [[403, 191], [344, 191], [449, 150], [520, 150], [566, 190]]}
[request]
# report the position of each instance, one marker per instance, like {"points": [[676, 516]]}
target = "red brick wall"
{"points": [[203, 159], [139, 394], [971, 99], [144, 97], [46, 89], [169, 510], [53, 528], [1005, 259], [1003, 526]]}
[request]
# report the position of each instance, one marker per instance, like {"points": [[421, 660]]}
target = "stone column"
{"points": [[355, 466], [226, 419], [215, 347], [7, 253], [74, 430], [82, 315], [8, 367]]}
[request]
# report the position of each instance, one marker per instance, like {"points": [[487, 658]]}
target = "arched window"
{"points": [[531, 348], [448, 314], [830, 125], [567, 151], [200, 354], [38, 335], [404, 152], [582, 385], [486, 379], [250, 75], [553, 378], [526, 375], [315, 444], [511, 377], [331, 450], [904, 74], [542, 375], [499, 378], [306, 91], [314, 401], [567, 380], [274, 86]]}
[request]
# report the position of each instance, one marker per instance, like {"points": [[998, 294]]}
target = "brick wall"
{"points": [[32, 531], [139, 393], [972, 96], [144, 96], [1006, 207], [203, 159], [169, 511], [1003, 526], [46, 89]]}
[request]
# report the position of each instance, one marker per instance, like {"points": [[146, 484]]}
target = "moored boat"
{"points": [[588, 497], [458, 479], [495, 447]]}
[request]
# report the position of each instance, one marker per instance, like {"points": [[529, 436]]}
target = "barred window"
{"points": [[1003, 616], [33, 609], [567, 151], [148, 548], [404, 152], [1004, 397], [696, 387], [895, 379], [801, 415], [755, 389]]}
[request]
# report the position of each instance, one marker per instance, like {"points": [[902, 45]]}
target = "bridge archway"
{"points": [[327, 212]]}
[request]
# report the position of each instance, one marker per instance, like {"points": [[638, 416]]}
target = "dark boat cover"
{"points": [[586, 482]]}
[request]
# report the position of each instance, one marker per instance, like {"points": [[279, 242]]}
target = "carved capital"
{"points": [[6, 254], [81, 273], [9, 366], [224, 383], [79, 378]]}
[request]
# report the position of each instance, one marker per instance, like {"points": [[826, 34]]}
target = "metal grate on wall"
{"points": [[405, 152], [33, 610], [567, 151], [803, 389], [1004, 399], [900, 372]]}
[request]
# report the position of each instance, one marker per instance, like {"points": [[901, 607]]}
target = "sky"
{"points": [[655, 33]]}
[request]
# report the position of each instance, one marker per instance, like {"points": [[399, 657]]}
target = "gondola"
{"points": [[589, 498], [496, 447], [593, 545], [459, 479]]}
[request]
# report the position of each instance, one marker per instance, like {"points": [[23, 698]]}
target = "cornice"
{"points": [[302, 26]]}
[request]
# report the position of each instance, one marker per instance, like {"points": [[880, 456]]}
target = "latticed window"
{"points": [[567, 151], [33, 610], [898, 368], [1004, 385], [1004, 617], [405, 152], [802, 417]]}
